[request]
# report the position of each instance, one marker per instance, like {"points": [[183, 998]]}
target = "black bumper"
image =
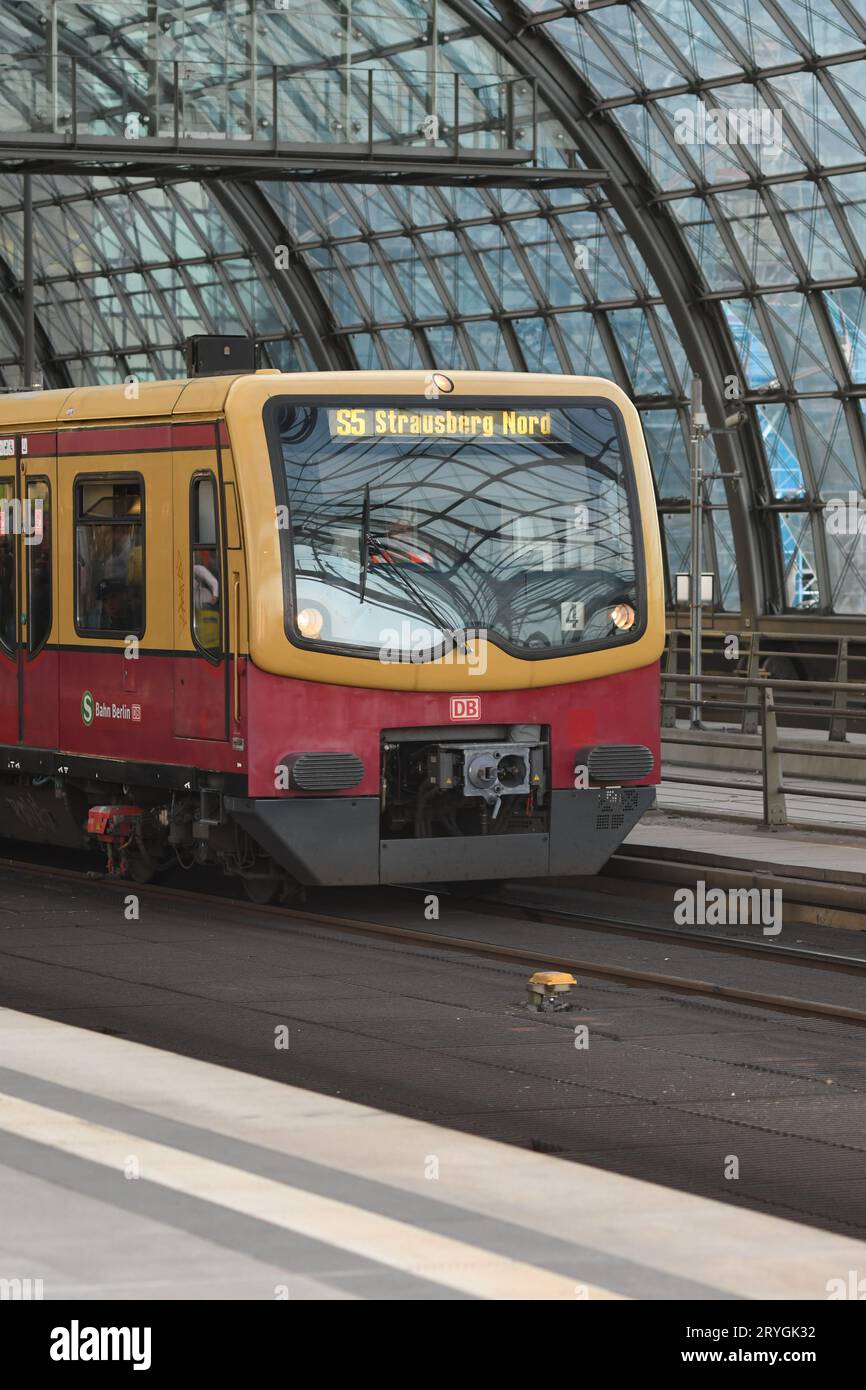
{"points": [[335, 840]]}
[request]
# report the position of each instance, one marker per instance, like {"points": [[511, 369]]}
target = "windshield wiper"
{"points": [[369, 543], [409, 586]]}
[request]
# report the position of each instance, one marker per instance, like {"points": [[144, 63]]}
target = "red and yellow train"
{"points": [[335, 628]]}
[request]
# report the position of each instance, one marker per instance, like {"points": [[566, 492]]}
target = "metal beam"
{"points": [[11, 315], [706, 341], [297, 163], [28, 357], [259, 227]]}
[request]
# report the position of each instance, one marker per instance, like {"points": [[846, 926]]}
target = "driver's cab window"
{"points": [[109, 556]]}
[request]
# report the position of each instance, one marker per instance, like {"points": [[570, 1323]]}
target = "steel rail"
{"points": [[509, 955], [730, 945]]}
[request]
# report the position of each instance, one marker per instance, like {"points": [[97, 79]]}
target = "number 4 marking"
{"points": [[571, 616]]}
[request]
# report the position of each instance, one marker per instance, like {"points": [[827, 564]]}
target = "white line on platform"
{"points": [[413, 1251], [634, 1236]]}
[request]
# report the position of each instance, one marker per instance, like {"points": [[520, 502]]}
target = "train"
{"points": [[331, 628]]}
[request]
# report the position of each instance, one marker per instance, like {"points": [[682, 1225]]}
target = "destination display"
{"points": [[359, 422]]}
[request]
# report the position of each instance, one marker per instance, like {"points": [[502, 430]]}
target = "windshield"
{"points": [[410, 528]]}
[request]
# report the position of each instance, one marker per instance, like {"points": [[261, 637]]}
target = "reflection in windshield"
{"points": [[526, 539]]}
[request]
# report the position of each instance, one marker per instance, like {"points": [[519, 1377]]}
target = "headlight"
{"points": [[309, 622], [622, 616]]}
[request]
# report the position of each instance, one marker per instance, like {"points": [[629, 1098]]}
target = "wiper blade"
{"points": [[370, 543], [423, 602]]}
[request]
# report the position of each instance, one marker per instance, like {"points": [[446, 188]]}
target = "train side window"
{"points": [[205, 564], [8, 613], [37, 542], [109, 555]]}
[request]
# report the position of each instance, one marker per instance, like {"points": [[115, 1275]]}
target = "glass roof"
{"points": [[728, 238]]}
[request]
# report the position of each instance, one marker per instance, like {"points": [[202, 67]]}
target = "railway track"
{"points": [[701, 941], [528, 957]]}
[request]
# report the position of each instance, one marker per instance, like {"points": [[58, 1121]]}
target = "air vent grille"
{"points": [[620, 762], [324, 772], [614, 804]]}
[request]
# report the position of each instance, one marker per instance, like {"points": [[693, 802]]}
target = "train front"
{"points": [[456, 623]]}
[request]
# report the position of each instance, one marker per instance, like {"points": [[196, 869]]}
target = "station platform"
{"points": [[713, 794], [722, 776], [792, 852], [821, 873], [130, 1172]]}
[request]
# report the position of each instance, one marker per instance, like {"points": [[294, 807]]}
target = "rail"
{"points": [[72, 101], [765, 706]]}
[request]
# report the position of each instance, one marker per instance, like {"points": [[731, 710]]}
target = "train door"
{"points": [[39, 689], [9, 725], [28, 666], [201, 673]]}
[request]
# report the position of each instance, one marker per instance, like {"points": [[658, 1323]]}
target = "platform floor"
{"points": [[714, 796], [835, 855], [130, 1172], [713, 777], [668, 1088]]}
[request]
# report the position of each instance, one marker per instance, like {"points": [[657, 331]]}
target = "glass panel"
{"points": [[812, 228], [109, 556], [594, 253], [508, 279], [808, 107], [205, 567], [834, 467], [410, 525], [755, 237], [719, 134], [215, 101], [666, 445], [845, 536], [402, 347], [847, 311], [783, 461], [591, 61], [369, 280], [798, 555], [537, 344], [489, 346], [636, 47], [584, 344], [639, 353], [727, 580], [800, 342], [707, 243], [758, 366]]}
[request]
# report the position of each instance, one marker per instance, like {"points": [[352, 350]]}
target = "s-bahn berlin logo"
{"points": [[94, 709]]}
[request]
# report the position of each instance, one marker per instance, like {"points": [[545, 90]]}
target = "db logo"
{"points": [[465, 707]]}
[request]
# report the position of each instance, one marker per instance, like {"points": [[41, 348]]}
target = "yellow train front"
{"points": [[331, 628]]}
